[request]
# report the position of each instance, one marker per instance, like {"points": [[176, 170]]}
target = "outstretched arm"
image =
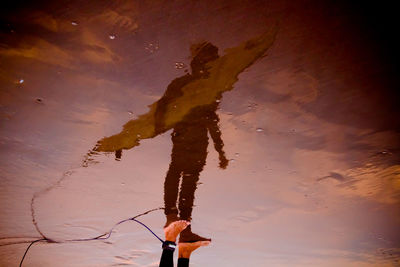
{"points": [[215, 133]]}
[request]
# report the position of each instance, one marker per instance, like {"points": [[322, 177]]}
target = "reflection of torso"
{"points": [[190, 138], [191, 132]]}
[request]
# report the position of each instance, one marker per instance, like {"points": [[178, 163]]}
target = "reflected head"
{"points": [[202, 54]]}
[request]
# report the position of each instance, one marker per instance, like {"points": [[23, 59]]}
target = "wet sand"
{"points": [[307, 132]]}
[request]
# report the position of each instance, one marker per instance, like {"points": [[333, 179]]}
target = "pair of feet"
{"points": [[173, 229]]}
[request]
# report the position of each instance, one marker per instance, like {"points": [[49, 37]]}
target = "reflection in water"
{"points": [[321, 103], [189, 107], [190, 142], [211, 76]]}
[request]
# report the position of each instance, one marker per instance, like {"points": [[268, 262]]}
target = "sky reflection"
{"points": [[318, 185]]}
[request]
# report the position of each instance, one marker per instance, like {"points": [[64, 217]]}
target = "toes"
{"points": [[205, 243], [177, 225], [183, 223], [187, 223], [195, 244]]}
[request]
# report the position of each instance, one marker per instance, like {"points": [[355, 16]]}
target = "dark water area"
{"points": [[272, 126]]}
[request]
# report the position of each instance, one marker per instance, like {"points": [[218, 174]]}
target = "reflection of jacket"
{"points": [[190, 137], [191, 132]]}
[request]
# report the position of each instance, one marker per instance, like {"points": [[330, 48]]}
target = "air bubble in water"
{"points": [[112, 36], [252, 105], [21, 81], [179, 65], [151, 47], [74, 23], [385, 152]]}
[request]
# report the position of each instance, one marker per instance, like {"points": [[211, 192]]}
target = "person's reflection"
{"points": [[189, 107], [190, 141]]}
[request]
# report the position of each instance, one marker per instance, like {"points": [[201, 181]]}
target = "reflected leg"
{"points": [[171, 187], [195, 161], [186, 195]]}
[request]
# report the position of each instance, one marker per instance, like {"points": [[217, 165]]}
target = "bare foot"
{"points": [[173, 229], [185, 249]]}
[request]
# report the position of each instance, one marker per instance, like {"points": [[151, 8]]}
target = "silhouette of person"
{"points": [[190, 142], [189, 107]]}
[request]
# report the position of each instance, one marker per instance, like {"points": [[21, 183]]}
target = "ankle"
{"points": [[169, 245], [170, 238]]}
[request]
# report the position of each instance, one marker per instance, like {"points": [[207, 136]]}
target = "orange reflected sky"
{"points": [[311, 131]]}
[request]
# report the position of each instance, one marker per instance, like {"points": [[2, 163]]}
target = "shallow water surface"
{"points": [[272, 126]]}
